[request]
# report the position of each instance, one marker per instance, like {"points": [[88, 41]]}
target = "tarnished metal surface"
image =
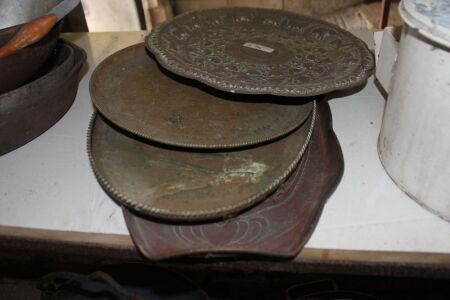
{"points": [[19, 68], [279, 226], [14, 12], [30, 110], [131, 90], [261, 51], [175, 184]]}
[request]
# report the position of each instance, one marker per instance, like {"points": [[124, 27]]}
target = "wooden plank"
{"points": [[188, 5], [124, 242], [157, 15], [275, 4], [318, 7], [21, 245], [374, 256], [141, 14], [181, 6], [385, 6], [72, 237], [371, 14], [298, 6], [348, 18]]}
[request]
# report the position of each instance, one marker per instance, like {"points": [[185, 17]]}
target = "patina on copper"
{"points": [[278, 226], [176, 184], [30, 110], [261, 51], [131, 90]]}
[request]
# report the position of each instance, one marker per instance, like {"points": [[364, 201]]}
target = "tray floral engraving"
{"points": [[261, 51]]}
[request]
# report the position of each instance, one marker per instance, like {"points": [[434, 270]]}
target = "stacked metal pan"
{"points": [[38, 84], [211, 133]]}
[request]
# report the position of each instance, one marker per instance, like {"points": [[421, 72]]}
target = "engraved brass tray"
{"points": [[261, 51], [131, 90], [174, 184]]}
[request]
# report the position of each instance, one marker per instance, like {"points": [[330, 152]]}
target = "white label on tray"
{"points": [[259, 47]]}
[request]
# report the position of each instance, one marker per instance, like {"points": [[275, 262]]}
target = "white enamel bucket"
{"points": [[414, 142]]}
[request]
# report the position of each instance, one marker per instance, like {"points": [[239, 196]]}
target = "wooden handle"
{"points": [[30, 33]]}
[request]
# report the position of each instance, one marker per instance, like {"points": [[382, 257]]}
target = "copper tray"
{"points": [[278, 226], [174, 184], [261, 51], [131, 90]]}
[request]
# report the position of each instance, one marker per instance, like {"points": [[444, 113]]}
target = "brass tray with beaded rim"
{"points": [[132, 91], [261, 51], [174, 184]]}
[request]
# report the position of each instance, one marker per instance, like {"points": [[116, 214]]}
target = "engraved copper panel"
{"points": [[175, 184], [278, 226], [131, 90], [261, 51]]}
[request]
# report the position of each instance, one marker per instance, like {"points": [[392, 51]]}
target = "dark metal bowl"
{"points": [[20, 67], [27, 112]]}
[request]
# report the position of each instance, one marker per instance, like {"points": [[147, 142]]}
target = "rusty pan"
{"points": [[30, 110], [20, 67], [278, 226]]}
